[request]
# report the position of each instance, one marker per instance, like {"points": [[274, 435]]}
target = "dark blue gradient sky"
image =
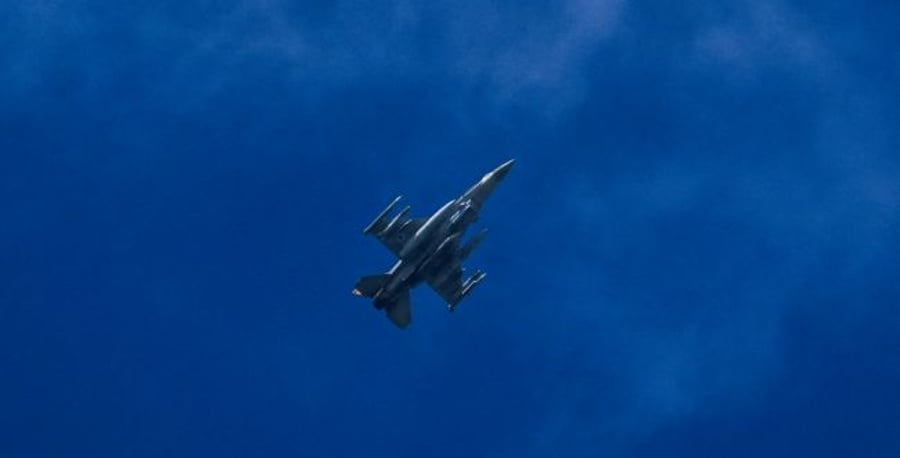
{"points": [[696, 254]]}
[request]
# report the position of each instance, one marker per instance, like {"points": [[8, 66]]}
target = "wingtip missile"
{"points": [[467, 287], [378, 223], [393, 223]]}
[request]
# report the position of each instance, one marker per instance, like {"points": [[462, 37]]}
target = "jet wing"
{"points": [[446, 282], [394, 232], [394, 237]]}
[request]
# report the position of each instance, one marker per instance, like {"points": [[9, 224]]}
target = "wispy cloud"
{"points": [[701, 313], [506, 51], [676, 273], [754, 36]]}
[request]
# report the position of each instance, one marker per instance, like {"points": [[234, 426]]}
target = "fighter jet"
{"points": [[428, 250]]}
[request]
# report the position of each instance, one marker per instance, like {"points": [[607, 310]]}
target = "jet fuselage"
{"points": [[428, 250]]}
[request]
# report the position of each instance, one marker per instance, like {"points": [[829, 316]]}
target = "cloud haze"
{"points": [[696, 243]]}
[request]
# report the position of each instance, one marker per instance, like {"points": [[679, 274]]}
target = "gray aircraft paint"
{"points": [[428, 250]]}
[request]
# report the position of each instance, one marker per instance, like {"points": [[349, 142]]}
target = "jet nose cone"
{"points": [[503, 169]]}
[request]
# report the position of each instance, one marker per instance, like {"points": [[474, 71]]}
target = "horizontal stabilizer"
{"points": [[369, 285], [398, 311]]}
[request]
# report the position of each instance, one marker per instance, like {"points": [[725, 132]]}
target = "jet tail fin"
{"points": [[369, 285]]}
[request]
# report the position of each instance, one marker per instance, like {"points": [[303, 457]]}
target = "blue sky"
{"points": [[694, 256]]}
